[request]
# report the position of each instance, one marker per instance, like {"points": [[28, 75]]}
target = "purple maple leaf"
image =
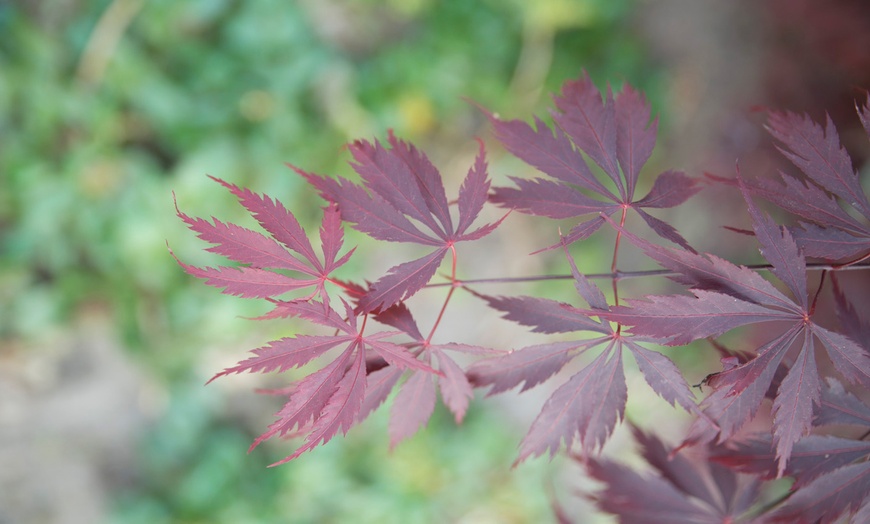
{"points": [[681, 490], [288, 248], [333, 398], [827, 230], [616, 134], [726, 297], [402, 199], [588, 406]]}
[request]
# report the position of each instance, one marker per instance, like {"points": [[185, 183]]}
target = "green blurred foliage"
{"points": [[109, 108]]}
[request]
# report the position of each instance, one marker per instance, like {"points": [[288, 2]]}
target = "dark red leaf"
{"points": [[379, 385], [547, 198], [679, 319], [817, 152], [552, 155], [387, 174], [395, 354], [830, 243], [813, 455], [399, 316], [472, 194], [428, 179], [670, 189], [848, 357], [585, 288], [591, 124], [689, 489], [247, 282], [642, 499], [708, 272], [793, 406], [615, 134], [635, 135], [369, 213], [545, 315], [676, 468], [841, 407], [664, 230], [274, 218], [663, 377], [308, 398], [244, 245], [779, 248], [825, 499]]}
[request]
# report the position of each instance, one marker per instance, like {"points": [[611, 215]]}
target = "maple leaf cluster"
{"points": [[590, 160]]}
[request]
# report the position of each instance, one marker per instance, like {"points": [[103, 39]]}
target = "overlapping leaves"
{"points": [[725, 297], [681, 490], [288, 248], [587, 407], [402, 199], [827, 230], [832, 473]]}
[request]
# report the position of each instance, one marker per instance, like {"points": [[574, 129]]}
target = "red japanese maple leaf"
{"points": [[592, 401], [832, 474], [726, 296], [415, 402], [828, 231], [288, 248], [331, 399], [402, 199], [681, 489], [616, 134]]}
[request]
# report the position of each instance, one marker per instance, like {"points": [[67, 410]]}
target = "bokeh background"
{"points": [[109, 108]]}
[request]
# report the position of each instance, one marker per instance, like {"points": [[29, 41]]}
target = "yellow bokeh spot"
{"points": [[416, 113], [257, 105]]}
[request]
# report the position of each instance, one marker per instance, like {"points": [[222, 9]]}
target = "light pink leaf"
{"points": [[340, 412], [455, 389], [412, 408], [274, 218], [286, 353], [247, 282], [379, 385]]}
